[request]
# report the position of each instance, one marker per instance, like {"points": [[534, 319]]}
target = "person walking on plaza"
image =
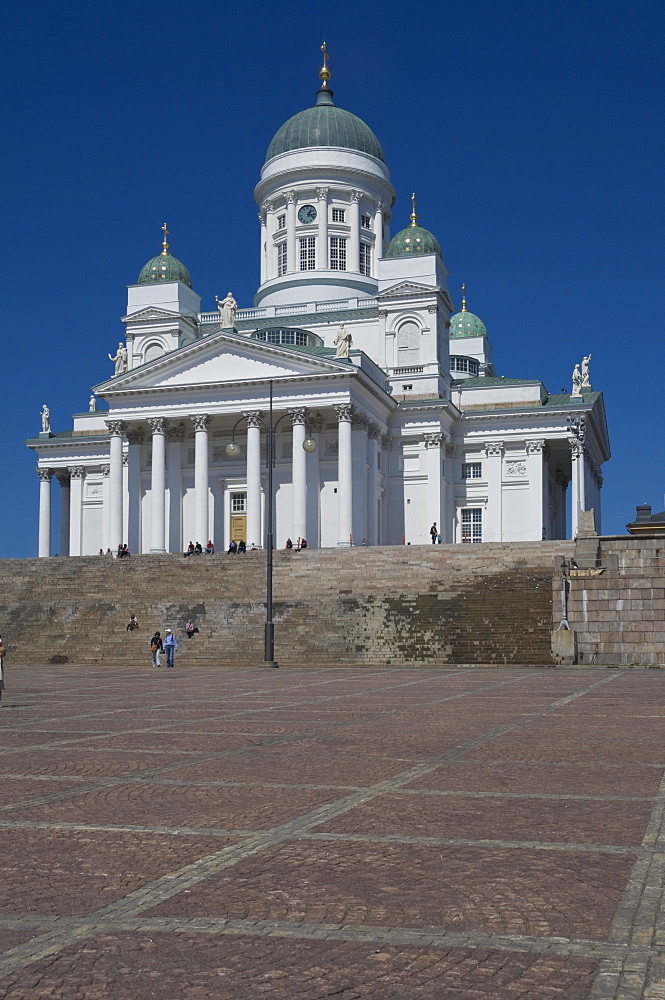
{"points": [[170, 646], [434, 531], [156, 647]]}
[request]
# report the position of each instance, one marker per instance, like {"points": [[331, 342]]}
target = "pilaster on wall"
{"points": [[493, 527]]}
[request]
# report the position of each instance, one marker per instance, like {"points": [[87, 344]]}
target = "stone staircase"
{"points": [[444, 604]]}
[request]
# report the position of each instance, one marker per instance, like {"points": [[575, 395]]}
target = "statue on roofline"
{"points": [[228, 308], [120, 359]]}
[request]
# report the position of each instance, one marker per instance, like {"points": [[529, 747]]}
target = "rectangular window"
{"points": [[337, 253], [472, 525], [281, 222], [472, 470], [365, 259], [281, 258], [238, 503], [365, 222], [338, 214], [308, 253]]}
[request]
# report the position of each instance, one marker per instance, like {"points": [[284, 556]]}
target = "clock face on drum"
{"points": [[307, 214]]}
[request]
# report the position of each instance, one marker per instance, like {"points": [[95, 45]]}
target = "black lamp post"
{"points": [[233, 450]]}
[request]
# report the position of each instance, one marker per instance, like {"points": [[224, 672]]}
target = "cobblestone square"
{"points": [[458, 833]]}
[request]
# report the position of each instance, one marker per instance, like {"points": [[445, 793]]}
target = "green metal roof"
{"points": [[412, 241], [467, 324], [164, 267], [325, 125], [483, 381]]}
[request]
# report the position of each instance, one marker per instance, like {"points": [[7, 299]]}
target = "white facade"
{"points": [[413, 427]]}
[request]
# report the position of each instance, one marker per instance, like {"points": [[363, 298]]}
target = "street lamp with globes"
{"points": [[233, 450]]}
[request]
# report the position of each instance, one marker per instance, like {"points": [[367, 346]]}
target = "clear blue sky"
{"points": [[532, 133]]}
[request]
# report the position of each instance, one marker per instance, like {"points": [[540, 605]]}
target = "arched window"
{"points": [[408, 344], [152, 351]]}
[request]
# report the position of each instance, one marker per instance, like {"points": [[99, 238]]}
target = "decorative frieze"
{"points": [[515, 469]]}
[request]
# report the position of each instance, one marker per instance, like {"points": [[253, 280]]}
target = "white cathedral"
{"points": [[388, 415]]}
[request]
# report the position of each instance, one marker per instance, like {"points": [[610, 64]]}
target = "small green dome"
{"points": [[413, 240], [325, 125], [165, 267], [466, 324]]}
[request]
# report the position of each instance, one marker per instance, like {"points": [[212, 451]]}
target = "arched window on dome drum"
{"points": [[151, 352], [408, 344]]}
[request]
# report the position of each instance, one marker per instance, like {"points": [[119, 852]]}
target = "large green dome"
{"points": [[413, 240], [466, 324], [325, 125], [165, 267]]}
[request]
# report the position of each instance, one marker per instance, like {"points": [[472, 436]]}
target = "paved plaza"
{"points": [[399, 833]]}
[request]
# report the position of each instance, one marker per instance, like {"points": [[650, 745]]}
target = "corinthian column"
{"points": [[353, 259], [44, 549], [116, 430], [322, 244], [158, 484], [290, 231], [201, 423], [299, 475], [344, 413], [254, 534]]}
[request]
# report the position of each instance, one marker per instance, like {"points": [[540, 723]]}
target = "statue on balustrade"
{"points": [[120, 360], [343, 342], [92, 404], [228, 308]]}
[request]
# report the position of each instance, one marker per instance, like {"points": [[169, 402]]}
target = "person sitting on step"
{"points": [[210, 548], [232, 549], [198, 549], [190, 549], [242, 548], [133, 623]]}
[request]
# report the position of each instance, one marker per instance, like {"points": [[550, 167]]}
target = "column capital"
{"points": [[576, 447], [322, 193], [535, 447], [75, 471], [298, 415], [157, 424], [432, 308], [253, 418], [44, 474], [344, 411], [116, 427], [175, 432], [434, 440], [359, 420], [374, 431], [201, 421], [106, 469], [355, 196], [290, 197], [268, 206], [386, 440], [494, 449], [136, 435]]}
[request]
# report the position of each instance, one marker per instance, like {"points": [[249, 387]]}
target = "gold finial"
{"points": [[324, 72], [414, 217], [165, 246], [463, 309]]}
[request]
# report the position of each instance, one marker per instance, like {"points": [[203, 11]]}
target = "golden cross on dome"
{"points": [[414, 217], [165, 246], [324, 72], [463, 309]]}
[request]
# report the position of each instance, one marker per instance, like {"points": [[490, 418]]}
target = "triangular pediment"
{"points": [[220, 359], [151, 314], [407, 289]]}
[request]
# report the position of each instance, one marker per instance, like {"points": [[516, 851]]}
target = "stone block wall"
{"points": [[619, 615]]}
